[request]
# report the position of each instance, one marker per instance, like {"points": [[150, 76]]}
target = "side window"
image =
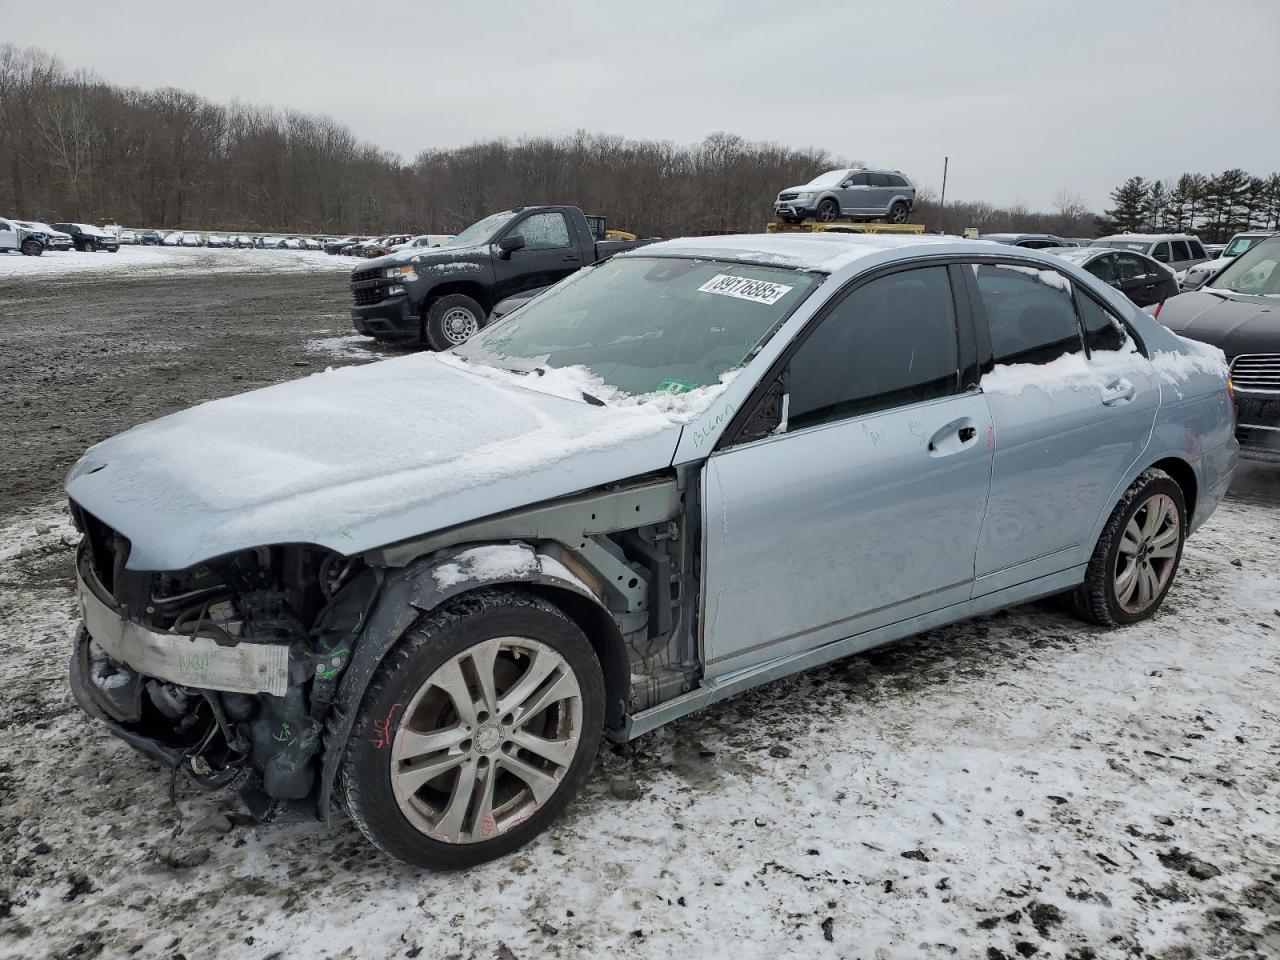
{"points": [[897, 181], [1197, 250], [856, 180], [1101, 330], [1036, 244], [1161, 252], [1130, 267], [543, 231], [1181, 251], [4, 225], [1029, 313], [889, 343], [1104, 268], [877, 180]]}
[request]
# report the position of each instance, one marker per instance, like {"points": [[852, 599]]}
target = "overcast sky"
{"points": [[1027, 97]]}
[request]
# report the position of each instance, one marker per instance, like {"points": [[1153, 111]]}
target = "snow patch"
{"points": [[497, 561], [1071, 372]]}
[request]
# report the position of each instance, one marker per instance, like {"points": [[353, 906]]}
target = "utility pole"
{"points": [[942, 202]]}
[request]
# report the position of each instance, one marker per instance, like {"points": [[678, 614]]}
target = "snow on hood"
{"points": [[357, 458]]}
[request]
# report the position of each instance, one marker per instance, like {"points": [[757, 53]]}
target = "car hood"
{"points": [[1234, 324], [802, 189], [356, 458], [430, 256]]}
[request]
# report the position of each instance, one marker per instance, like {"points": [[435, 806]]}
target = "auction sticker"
{"points": [[744, 288]]}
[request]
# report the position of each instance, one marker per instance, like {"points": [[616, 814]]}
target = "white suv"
{"points": [[1177, 251]]}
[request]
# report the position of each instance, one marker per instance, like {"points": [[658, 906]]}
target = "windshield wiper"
{"points": [[594, 401]]}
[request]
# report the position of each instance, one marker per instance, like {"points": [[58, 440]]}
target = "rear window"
{"points": [[877, 180], [897, 181], [1030, 314], [1181, 251]]}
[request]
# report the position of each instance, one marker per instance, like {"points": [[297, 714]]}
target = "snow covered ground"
{"points": [[156, 261], [1020, 785]]}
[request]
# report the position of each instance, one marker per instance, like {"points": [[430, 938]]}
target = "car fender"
{"points": [[425, 585]]}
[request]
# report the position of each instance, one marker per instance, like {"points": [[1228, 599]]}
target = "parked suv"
{"points": [[849, 194], [51, 238], [15, 238], [88, 238], [691, 470], [1177, 251]]}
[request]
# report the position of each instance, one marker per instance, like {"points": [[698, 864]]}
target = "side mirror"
{"points": [[508, 246]]}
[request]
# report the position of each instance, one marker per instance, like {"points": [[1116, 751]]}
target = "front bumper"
{"points": [[794, 208], [1258, 424], [392, 318]]}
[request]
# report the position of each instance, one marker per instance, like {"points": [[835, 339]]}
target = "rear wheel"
{"points": [[1137, 556], [898, 212], [451, 320], [476, 731], [32, 248], [828, 210]]}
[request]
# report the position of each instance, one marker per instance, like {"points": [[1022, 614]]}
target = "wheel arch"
{"points": [[417, 589], [470, 288], [1184, 475]]}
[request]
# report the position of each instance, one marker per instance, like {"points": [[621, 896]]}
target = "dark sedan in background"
{"points": [[1239, 312], [1137, 276]]}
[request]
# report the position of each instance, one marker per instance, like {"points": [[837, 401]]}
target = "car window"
{"points": [[1238, 245], [1036, 244], [856, 180], [1104, 268], [1181, 251], [1255, 273], [877, 180], [1161, 252], [543, 231], [1197, 250], [890, 342], [1029, 313], [1132, 268], [1102, 331], [897, 181], [4, 225]]}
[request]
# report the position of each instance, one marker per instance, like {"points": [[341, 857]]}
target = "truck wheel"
{"points": [[476, 731], [32, 248], [451, 320], [90, 246], [898, 212], [828, 210], [1137, 556]]}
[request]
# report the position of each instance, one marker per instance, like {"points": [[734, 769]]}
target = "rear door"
{"points": [[864, 506], [1140, 278], [548, 254], [1073, 402], [879, 192]]}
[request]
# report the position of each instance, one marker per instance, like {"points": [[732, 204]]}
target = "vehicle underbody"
{"points": [[248, 669]]}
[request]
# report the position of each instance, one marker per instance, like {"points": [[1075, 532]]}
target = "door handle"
{"points": [[1118, 391], [572, 258], [952, 438]]}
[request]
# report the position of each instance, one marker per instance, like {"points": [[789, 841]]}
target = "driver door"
{"points": [[864, 506], [548, 255], [853, 194]]}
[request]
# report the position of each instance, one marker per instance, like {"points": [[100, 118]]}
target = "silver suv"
{"points": [[851, 194]]}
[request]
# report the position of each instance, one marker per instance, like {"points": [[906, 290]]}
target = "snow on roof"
{"points": [[825, 252], [1147, 237]]}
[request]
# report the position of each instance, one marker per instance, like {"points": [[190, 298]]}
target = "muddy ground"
{"points": [[84, 358], [1018, 786]]}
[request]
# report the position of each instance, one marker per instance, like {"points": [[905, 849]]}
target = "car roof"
{"points": [[1149, 237], [825, 252]]}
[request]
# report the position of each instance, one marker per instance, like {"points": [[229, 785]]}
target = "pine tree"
{"points": [[1131, 204], [1157, 206]]}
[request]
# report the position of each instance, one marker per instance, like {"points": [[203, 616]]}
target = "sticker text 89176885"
{"points": [[745, 288]]}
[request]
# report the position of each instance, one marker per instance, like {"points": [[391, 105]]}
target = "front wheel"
{"points": [[90, 247], [828, 210], [1137, 556], [32, 248], [451, 320], [476, 731]]}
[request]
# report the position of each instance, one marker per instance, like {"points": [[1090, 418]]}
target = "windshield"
{"points": [[1255, 273], [1074, 254], [1239, 245], [828, 180], [482, 230], [647, 325]]}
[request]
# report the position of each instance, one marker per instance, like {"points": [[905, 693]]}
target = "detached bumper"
{"points": [[392, 318]]}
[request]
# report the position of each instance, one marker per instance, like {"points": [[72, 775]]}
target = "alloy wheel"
{"points": [[828, 211], [486, 740], [1148, 553]]}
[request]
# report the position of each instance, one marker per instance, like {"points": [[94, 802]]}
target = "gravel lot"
{"points": [[1017, 786]]}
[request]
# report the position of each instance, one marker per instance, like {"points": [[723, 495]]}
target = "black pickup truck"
{"points": [[442, 295]]}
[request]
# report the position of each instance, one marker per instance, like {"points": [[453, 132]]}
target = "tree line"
{"points": [[1211, 206], [76, 148]]}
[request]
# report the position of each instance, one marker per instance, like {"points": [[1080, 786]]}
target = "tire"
{"points": [[899, 212], [828, 210], [1143, 537], [90, 246], [454, 645], [445, 323], [32, 248]]}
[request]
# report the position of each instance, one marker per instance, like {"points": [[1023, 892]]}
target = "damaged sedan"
{"points": [[419, 592]]}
